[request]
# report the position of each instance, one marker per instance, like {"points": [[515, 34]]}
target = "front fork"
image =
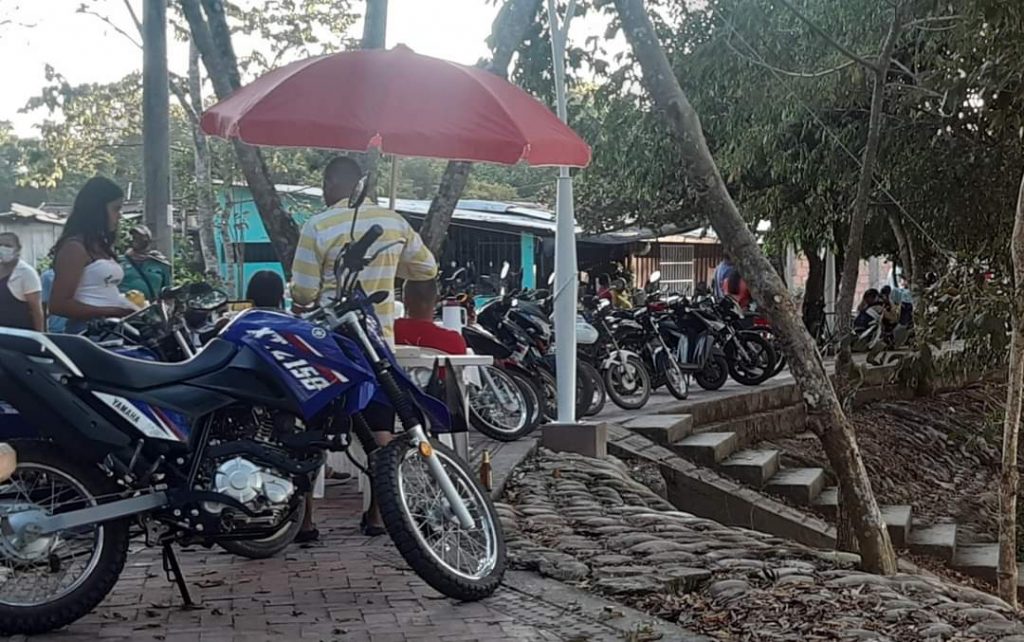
{"points": [[409, 420]]}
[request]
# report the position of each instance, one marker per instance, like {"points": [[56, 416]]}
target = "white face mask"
{"points": [[8, 254]]}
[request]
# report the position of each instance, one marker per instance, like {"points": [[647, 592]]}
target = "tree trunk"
{"points": [[507, 33], [903, 243], [827, 417], [205, 202], [855, 240], [814, 289], [212, 37], [375, 25], [1007, 573]]}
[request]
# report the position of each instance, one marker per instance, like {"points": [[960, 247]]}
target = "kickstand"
{"points": [[173, 571]]}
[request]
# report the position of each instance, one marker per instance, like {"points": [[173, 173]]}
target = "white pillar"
{"points": [[830, 289], [565, 238]]}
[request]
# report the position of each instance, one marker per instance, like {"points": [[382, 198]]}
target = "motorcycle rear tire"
{"points": [[261, 549], [714, 374], [33, 620]]}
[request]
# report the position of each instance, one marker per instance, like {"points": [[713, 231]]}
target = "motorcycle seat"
{"points": [[99, 365]]}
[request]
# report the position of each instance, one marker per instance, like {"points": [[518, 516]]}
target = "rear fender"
{"points": [[34, 387]]}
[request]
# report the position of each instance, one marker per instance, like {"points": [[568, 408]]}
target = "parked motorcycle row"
{"points": [[218, 445], [668, 340]]}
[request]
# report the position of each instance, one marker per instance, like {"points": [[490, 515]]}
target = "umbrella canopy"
{"points": [[401, 102]]}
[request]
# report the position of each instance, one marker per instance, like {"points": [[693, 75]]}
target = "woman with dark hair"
{"points": [[86, 271], [266, 290]]}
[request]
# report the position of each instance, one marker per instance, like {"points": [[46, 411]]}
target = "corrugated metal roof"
{"points": [[27, 213]]}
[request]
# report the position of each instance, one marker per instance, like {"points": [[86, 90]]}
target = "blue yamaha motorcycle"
{"points": [[221, 448]]}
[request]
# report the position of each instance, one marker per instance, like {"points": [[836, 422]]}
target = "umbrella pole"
{"points": [[565, 239], [394, 181]]}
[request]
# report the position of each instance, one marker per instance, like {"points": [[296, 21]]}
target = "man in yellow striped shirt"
{"points": [[325, 234], [314, 283]]}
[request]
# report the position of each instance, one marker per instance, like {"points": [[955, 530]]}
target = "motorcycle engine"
{"points": [[262, 489], [256, 487]]}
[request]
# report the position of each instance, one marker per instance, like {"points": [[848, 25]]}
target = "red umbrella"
{"points": [[401, 102]]}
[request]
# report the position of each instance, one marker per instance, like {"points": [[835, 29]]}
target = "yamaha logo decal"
{"points": [[319, 333]]}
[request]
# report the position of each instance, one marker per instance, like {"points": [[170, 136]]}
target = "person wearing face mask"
{"points": [[145, 269], [86, 271], [20, 301]]}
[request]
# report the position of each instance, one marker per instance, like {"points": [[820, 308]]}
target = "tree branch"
{"points": [[135, 17], [821, 33], [89, 12], [785, 72]]}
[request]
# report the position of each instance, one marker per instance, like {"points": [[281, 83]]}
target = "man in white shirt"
{"points": [[21, 303]]}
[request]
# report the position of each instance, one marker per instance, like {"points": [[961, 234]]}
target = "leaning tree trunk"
{"points": [[1007, 573], [212, 37], [507, 33], [205, 202], [855, 240], [828, 420], [903, 244]]}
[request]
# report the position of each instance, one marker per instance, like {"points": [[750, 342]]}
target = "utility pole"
{"points": [[156, 152], [566, 275]]}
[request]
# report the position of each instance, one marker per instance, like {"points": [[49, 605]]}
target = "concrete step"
{"points": [[707, 448], [938, 540], [897, 520], [828, 501], [662, 429], [800, 485], [761, 426], [752, 467], [980, 560], [722, 405]]}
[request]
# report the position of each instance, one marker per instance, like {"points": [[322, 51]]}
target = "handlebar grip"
{"points": [[357, 251]]}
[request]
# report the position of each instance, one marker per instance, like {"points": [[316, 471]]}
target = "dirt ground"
{"points": [[940, 454]]}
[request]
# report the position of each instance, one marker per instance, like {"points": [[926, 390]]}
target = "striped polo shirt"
{"points": [[323, 237]]}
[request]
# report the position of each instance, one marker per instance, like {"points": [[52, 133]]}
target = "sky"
{"points": [[84, 49]]}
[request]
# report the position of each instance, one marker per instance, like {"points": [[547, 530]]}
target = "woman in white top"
{"points": [[86, 270], [21, 304]]}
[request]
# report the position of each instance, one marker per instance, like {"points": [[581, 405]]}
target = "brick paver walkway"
{"points": [[346, 587]]}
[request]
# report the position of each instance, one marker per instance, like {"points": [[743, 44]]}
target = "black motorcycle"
{"points": [[690, 334]]}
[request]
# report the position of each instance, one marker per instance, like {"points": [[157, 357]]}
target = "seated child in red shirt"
{"points": [[419, 329]]}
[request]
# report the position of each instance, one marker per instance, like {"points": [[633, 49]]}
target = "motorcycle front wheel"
{"points": [[629, 383], [464, 564], [49, 581], [678, 384], [498, 407], [757, 366], [600, 396], [714, 374]]}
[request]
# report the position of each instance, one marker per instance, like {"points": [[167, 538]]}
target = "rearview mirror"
{"points": [[654, 277], [378, 297], [505, 267], [358, 194]]}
